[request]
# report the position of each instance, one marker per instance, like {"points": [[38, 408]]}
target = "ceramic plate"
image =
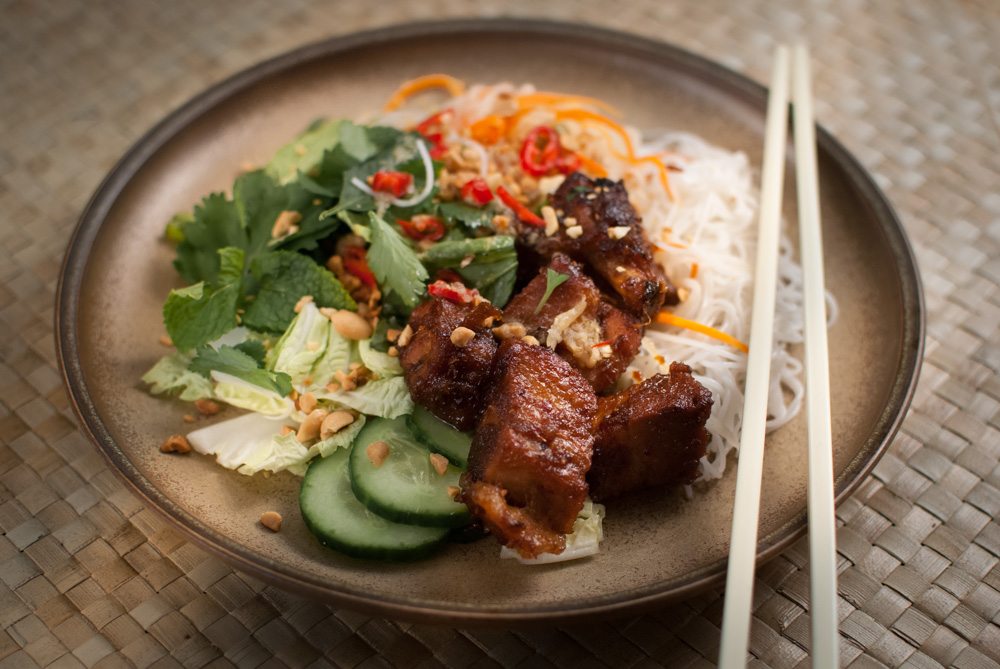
{"points": [[118, 271]]}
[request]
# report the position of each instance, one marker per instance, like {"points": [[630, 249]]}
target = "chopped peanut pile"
{"points": [[271, 520], [439, 463], [207, 407], [176, 443]]}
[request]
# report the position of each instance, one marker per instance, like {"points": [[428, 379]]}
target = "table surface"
{"points": [[88, 576]]}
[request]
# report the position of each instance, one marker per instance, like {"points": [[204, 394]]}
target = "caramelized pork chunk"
{"points": [[526, 479], [587, 331], [600, 227], [447, 357], [650, 434]]}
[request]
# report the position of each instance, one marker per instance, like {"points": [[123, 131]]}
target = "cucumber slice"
{"points": [[405, 488], [340, 521], [440, 437]]}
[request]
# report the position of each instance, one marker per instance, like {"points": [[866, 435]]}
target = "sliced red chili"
{"points": [[453, 292], [356, 263], [476, 192], [432, 128], [394, 183], [540, 151], [423, 226], [523, 213]]}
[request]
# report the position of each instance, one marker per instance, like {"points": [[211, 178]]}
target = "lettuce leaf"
{"points": [[304, 152], [388, 398], [383, 364], [337, 356], [171, 375], [249, 444], [584, 540], [245, 395], [342, 439], [302, 345]]}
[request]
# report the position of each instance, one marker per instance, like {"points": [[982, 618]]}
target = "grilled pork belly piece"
{"points": [[587, 331], [526, 479], [446, 371], [611, 242], [650, 434]]}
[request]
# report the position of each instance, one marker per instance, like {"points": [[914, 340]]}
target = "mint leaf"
{"points": [[283, 277], [553, 280], [259, 200], [394, 263], [304, 152], [232, 361], [196, 314]]}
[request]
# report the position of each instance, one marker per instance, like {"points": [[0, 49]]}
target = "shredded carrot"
{"points": [[694, 270], [489, 129], [451, 84], [667, 318], [606, 342], [678, 245], [634, 159], [549, 98], [591, 165], [587, 115]]}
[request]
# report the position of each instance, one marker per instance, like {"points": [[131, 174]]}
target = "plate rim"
{"points": [[85, 233]]}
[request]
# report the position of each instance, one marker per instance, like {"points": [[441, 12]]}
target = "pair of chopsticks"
{"points": [[822, 536]]}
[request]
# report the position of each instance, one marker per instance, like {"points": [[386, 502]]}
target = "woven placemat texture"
{"points": [[88, 576]]}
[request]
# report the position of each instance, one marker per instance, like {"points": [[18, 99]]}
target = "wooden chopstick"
{"points": [[746, 509], [822, 523]]}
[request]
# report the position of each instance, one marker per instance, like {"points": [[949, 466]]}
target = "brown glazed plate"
{"points": [[118, 271]]}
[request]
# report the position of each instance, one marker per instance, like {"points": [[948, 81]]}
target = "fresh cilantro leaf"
{"points": [[229, 360], [259, 200], [200, 313], [553, 280], [283, 277], [493, 268], [253, 348], [398, 153], [311, 228], [394, 263], [304, 152], [471, 217], [216, 225]]}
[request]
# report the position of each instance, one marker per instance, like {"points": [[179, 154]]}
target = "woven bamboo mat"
{"points": [[90, 577]]}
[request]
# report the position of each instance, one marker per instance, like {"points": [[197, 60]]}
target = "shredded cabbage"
{"points": [[388, 398], [584, 540], [249, 444], [171, 374], [239, 393]]}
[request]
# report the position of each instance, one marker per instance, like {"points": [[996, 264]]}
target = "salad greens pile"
{"points": [[238, 337]]}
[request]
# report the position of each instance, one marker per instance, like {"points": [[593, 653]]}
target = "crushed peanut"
{"points": [[530, 341], [488, 321], [569, 221], [466, 261], [619, 269], [286, 429], [405, 336], [574, 231], [348, 324], [310, 427], [285, 224], [166, 340], [510, 331], [551, 222], [346, 381], [439, 463], [334, 423], [271, 520], [307, 402], [303, 301], [501, 223], [393, 352], [207, 407], [453, 491], [188, 418], [618, 231], [175, 443], [392, 334], [461, 336], [377, 452]]}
